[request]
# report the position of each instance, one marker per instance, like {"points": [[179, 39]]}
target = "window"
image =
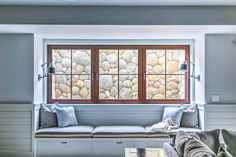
{"points": [[118, 74]]}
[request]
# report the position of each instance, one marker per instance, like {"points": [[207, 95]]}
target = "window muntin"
{"points": [[137, 74]]}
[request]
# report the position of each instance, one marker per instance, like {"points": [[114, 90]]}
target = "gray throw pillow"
{"points": [[179, 143], [190, 118], [173, 113], [230, 140], [223, 152], [66, 116], [210, 138], [196, 148], [48, 117]]}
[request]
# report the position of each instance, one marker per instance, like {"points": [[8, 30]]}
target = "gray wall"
{"points": [[119, 15], [221, 67], [16, 68]]}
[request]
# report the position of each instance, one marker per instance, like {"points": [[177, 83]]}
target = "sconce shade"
{"points": [[51, 70], [183, 67]]}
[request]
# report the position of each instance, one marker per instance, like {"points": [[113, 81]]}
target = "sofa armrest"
{"points": [[170, 150]]}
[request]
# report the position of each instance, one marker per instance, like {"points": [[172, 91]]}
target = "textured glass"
{"points": [[108, 61], [81, 87], [81, 61], [175, 87], [108, 87], [173, 59], [128, 87], [128, 61], [61, 87], [155, 86], [155, 61], [61, 60]]}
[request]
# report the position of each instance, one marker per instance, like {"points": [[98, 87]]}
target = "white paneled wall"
{"points": [[220, 116], [16, 130]]}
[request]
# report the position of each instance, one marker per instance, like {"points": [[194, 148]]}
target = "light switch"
{"points": [[215, 98]]}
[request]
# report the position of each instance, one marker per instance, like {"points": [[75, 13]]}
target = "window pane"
{"points": [[175, 88], [173, 60], [155, 87], [128, 61], [61, 87], [108, 86], [81, 61], [108, 61], [128, 87], [81, 87], [155, 61], [62, 61]]}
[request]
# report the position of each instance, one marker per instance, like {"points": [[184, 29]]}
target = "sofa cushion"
{"points": [[230, 140], [66, 116], [210, 138], [48, 117], [190, 117], [72, 131], [196, 148], [173, 113], [119, 131]]}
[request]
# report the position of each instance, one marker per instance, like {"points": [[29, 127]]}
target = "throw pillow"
{"points": [[230, 140], [223, 152], [48, 117], [66, 116], [196, 148], [210, 138], [173, 113], [190, 117], [180, 139]]}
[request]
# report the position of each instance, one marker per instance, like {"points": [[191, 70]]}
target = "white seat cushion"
{"points": [[73, 131], [119, 131]]}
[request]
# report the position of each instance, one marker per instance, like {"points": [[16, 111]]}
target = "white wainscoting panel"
{"points": [[220, 116], [16, 130]]}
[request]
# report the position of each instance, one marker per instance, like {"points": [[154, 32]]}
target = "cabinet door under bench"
{"points": [[62, 147], [113, 147]]}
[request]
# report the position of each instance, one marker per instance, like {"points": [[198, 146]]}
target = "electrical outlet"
{"points": [[215, 98]]}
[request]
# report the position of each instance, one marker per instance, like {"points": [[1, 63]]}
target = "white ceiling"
{"points": [[118, 2]]}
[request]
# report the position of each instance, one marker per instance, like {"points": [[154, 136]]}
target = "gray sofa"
{"points": [[180, 147]]}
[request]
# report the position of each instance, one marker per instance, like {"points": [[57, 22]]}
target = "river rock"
{"points": [[126, 93], [83, 92], [66, 62], [106, 82], [112, 58], [172, 67], [81, 58]]}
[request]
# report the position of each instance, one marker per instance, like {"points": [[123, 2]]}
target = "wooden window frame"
{"points": [[141, 74]]}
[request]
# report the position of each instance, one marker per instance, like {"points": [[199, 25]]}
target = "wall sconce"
{"points": [[184, 67], [50, 70]]}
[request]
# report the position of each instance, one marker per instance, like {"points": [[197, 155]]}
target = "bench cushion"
{"points": [[151, 133], [73, 131], [119, 131]]}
